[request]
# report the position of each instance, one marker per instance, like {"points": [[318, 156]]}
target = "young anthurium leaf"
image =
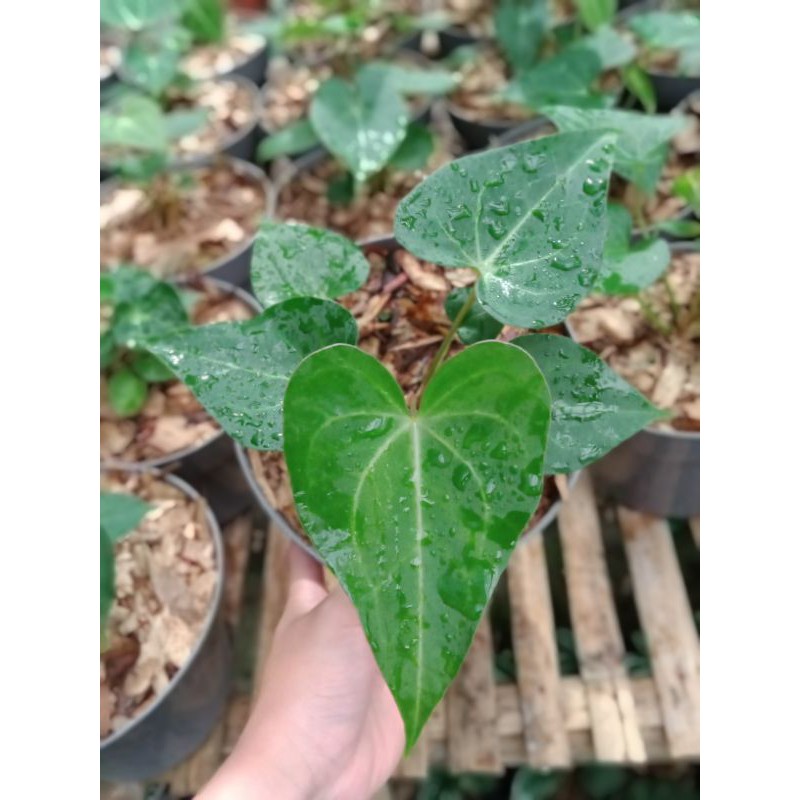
{"points": [[125, 284], [638, 83], [595, 13], [297, 137], [360, 128], [407, 80], [530, 217], [593, 408], [521, 26], [611, 48], [182, 122], [134, 122], [641, 150], [417, 514], [205, 20], [415, 150], [629, 267], [106, 578], [151, 369], [134, 15], [671, 30], [120, 513], [565, 79], [127, 392], [478, 325], [687, 187], [239, 370], [294, 260], [151, 67], [158, 311]]}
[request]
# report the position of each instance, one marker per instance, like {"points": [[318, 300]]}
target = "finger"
{"points": [[306, 584]]}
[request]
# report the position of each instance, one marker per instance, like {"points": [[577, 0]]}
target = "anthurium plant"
{"points": [[416, 503], [669, 41]]}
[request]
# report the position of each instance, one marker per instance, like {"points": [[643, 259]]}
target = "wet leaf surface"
{"points": [[239, 370], [530, 217], [295, 260], [417, 514], [593, 408], [478, 325]]}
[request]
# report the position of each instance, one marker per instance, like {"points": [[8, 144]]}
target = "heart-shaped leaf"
{"points": [[629, 267], [641, 150], [478, 325], [415, 150], [239, 370], [362, 129], [521, 26], [417, 513], [297, 137], [530, 217], [293, 260], [593, 408]]}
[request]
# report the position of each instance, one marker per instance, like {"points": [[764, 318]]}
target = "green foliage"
{"points": [[409, 81], [602, 781], [687, 187], [417, 514], [677, 31], [137, 15], [323, 264], [611, 48], [529, 217], [642, 143], [679, 228], [127, 392], [239, 370], [205, 20], [521, 26], [593, 408], [596, 13], [532, 784], [478, 325], [638, 83], [441, 785], [415, 150], [295, 138]]}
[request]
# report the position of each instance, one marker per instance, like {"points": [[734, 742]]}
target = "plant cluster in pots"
{"points": [[533, 63], [377, 153], [148, 418], [164, 650], [416, 501]]}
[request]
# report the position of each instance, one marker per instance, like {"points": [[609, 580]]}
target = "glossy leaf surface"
{"points": [[297, 137], [417, 514], [294, 260], [415, 150], [239, 370], [120, 513], [478, 325], [530, 217], [641, 150], [521, 26], [362, 129], [593, 408]]}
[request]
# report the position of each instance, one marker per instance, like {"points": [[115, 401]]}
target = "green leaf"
{"points": [[182, 122], [642, 143], [120, 513], [294, 260], [296, 137], [151, 369], [629, 268], [415, 150], [135, 15], [611, 48], [239, 370], [406, 80], [417, 514], [679, 228], [478, 325], [135, 122], [107, 589], [205, 20], [596, 13], [638, 83], [520, 27], [565, 79], [159, 311], [594, 409], [362, 130], [151, 67], [530, 784], [125, 284], [671, 30], [107, 349], [127, 392], [603, 780], [341, 189], [530, 217], [687, 187]]}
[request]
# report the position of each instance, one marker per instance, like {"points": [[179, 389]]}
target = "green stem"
{"points": [[444, 347], [652, 318]]}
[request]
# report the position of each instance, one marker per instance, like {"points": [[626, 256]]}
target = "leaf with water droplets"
{"points": [[295, 260], [362, 127], [239, 370], [642, 143], [478, 325], [417, 514], [629, 267], [593, 408], [530, 217]]}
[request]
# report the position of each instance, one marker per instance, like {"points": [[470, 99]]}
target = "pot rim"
{"points": [[239, 16], [178, 455], [214, 606], [239, 166]]}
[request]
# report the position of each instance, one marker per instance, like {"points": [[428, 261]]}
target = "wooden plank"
{"points": [[236, 537], [600, 647], [694, 526], [666, 616], [471, 710], [536, 657]]}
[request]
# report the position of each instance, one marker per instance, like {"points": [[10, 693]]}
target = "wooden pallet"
{"points": [[544, 719]]}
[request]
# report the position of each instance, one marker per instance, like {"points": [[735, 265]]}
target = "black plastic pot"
{"points": [[656, 471], [234, 267], [192, 463], [449, 39], [182, 716], [477, 133], [670, 90]]}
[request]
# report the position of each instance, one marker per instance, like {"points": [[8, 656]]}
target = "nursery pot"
{"points": [[181, 717], [670, 90], [656, 471], [200, 459], [449, 39], [381, 244], [233, 267]]}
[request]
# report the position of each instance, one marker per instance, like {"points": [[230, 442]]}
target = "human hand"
{"points": [[325, 725]]}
